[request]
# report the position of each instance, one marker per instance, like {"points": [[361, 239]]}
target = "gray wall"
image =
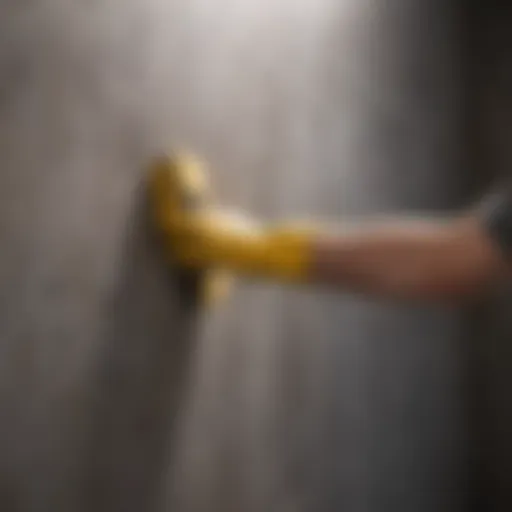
{"points": [[118, 395]]}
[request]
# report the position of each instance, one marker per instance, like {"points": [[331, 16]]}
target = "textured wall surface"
{"points": [[285, 401]]}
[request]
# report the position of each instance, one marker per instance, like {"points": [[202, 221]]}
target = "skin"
{"points": [[449, 260]]}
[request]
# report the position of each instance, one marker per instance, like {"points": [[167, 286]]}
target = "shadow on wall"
{"points": [[142, 367]]}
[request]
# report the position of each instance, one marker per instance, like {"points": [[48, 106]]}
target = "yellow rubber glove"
{"points": [[199, 236]]}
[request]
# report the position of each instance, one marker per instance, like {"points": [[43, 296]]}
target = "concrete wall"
{"points": [[284, 400], [92, 335]]}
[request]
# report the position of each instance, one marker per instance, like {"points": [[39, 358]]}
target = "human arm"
{"points": [[451, 259]]}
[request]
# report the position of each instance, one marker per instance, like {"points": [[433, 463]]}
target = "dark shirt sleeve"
{"points": [[496, 214]]}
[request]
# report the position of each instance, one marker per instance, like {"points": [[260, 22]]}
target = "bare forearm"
{"points": [[411, 259]]}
